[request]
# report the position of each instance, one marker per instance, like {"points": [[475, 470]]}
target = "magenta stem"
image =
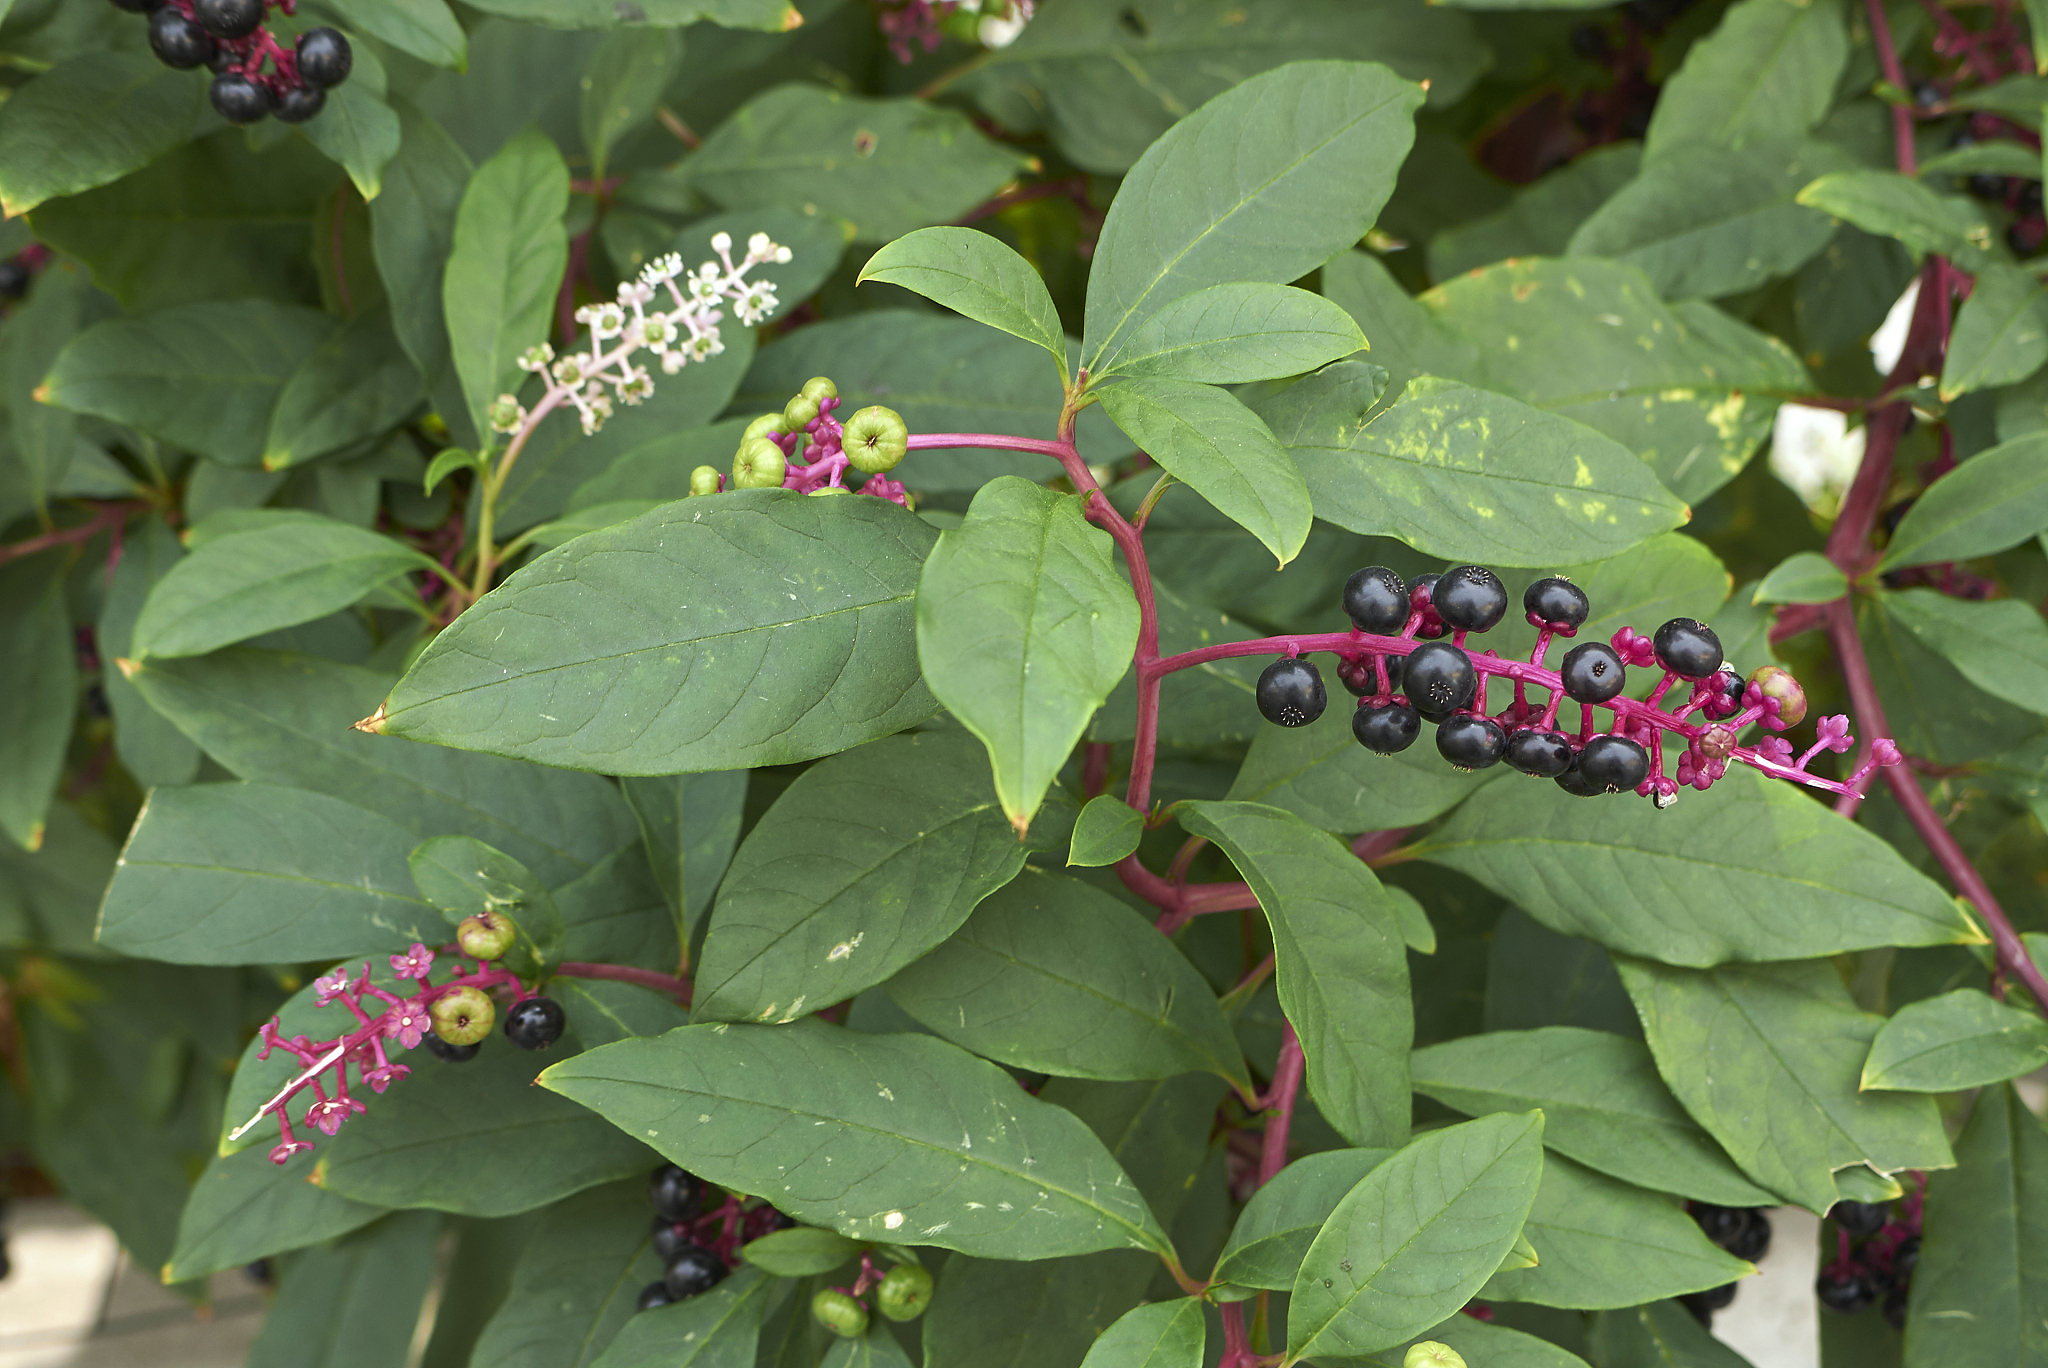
{"points": [[677, 988]]}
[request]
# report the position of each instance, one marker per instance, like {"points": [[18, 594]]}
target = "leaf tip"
{"points": [[373, 724], [1022, 822], [278, 460], [164, 1274], [791, 19], [41, 393], [35, 838]]}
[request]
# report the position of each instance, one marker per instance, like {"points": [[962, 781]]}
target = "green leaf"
{"points": [[690, 824], [1053, 975], [1768, 71], [1963, 1039], [886, 166], [1986, 158], [867, 861], [1265, 182], [356, 385], [1978, 1291], [615, 630], [38, 693], [1322, 775], [149, 744], [2001, 332], [505, 266], [257, 874], [462, 876], [1107, 830], [1660, 1335], [1694, 893], [715, 1329], [772, 15], [1602, 1104], [1273, 1233], [1417, 1237], [245, 1208], [1601, 1244], [1166, 1334], [976, 275], [1211, 442], [412, 230], [1542, 217], [1891, 205], [2001, 645], [1461, 472], [1477, 1342], [621, 87], [878, 1348], [801, 1252], [357, 131], [363, 1292], [1725, 1042], [205, 377], [1802, 577], [1342, 971], [931, 1145], [575, 1284], [427, 29], [1234, 333], [45, 439], [1024, 625], [1990, 503], [91, 120]]}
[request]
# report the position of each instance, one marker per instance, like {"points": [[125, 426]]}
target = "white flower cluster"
{"points": [[591, 380]]}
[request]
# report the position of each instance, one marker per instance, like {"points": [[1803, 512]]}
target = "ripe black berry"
{"points": [[535, 1023], [1574, 782], [1291, 693], [1703, 1305], [694, 1270], [1592, 672], [228, 18], [1470, 598], [1688, 647], [138, 6], [1860, 1219], [1388, 729], [1439, 678], [1895, 1308], [1719, 1223], [238, 99], [14, 278], [1471, 742], [324, 57], [1613, 764], [676, 1194], [669, 1239], [1545, 754], [1376, 600], [1754, 1239], [1847, 1290], [1556, 603], [653, 1295], [1904, 1260], [177, 41], [1361, 677], [453, 1054], [300, 103]]}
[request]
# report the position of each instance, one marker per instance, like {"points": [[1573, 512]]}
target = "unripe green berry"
{"points": [[840, 1313], [703, 480], [1432, 1354], [767, 425], [462, 1017], [876, 438], [759, 465], [487, 935], [1777, 682], [905, 1293], [819, 388], [799, 412], [830, 489]]}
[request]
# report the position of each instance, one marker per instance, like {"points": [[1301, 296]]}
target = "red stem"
{"points": [[679, 989], [1888, 60], [1280, 1097], [107, 516]]}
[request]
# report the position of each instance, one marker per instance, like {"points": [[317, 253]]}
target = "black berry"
{"points": [[324, 57], [1439, 678], [1860, 1219], [676, 1194], [1847, 1290], [1470, 598], [138, 6], [653, 1295], [14, 278], [1754, 1239], [1545, 754], [1291, 692], [1376, 600], [177, 41], [453, 1054], [669, 1239], [1592, 672], [1904, 1260], [228, 18], [300, 103], [1724, 697], [1703, 1305], [1613, 764], [535, 1023], [238, 99], [1895, 1308], [1471, 742], [1361, 677], [1719, 1223], [1387, 729], [1688, 647], [1556, 603], [694, 1270]]}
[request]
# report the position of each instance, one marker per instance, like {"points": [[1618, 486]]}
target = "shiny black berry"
{"points": [[324, 57], [177, 41], [1470, 598], [1895, 1308], [1545, 754], [1376, 600], [1904, 1260], [1688, 647], [1754, 1239], [1860, 1219], [300, 103], [676, 1194], [669, 1239], [1387, 729], [1361, 677], [653, 1295], [14, 279], [1847, 1290], [1613, 764], [1471, 742], [1703, 1305], [535, 1023], [1439, 678], [1291, 693], [1574, 782], [1592, 672], [453, 1054], [1556, 603], [694, 1270], [228, 18], [1719, 1223], [238, 99]]}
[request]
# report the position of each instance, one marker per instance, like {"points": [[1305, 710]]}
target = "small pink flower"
{"points": [[384, 1075], [1775, 748], [330, 986], [285, 1149], [415, 963], [327, 1114], [407, 1022], [1885, 752], [1834, 733]]}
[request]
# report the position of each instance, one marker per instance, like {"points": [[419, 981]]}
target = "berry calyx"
{"points": [[1361, 677], [1860, 1219], [1469, 742], [905, 1293], [1290, 692], [840, 1313], [486, 936], [299, 104], [759, 464], [1776, 682], [1545, 754], [1613, 764], [463, 1017], [694, 1270], [875, 439], [450, 1054], [1470, 598], [1846, 1290], [1376, 600], [1439, 678], [1592, 672], [1387, 729], [177, 41], [705, 480], [653, 1295], [324, 56], [675, 1193], [238, 99], [228, 18], [535, 1023], [1688, 647], [1557, 604], [1724, 694]]}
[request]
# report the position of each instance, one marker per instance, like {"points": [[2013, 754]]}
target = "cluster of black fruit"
{"points": [[1879, 1266], [2019, 195], [690, 1269], [1441, 686], [532, 1024], [1744, 1232], [222, 35]]}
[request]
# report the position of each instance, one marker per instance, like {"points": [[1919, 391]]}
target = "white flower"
{"points": [[662, 268], [706, 345], [637, 385], [721, 243], [673, 361], [997, 32], [1814, 452], [1890, 339], [657, 331], [595, 406], [632, 294], [536, 358], [507, 414], [569, 371]]}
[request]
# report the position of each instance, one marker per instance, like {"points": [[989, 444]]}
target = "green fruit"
{"points": [[1777, 682], [840, 1313], [703, 480], [462, 1017], [487, 935], [905, 1293], [830, 489], [759, 465], [876, 439], [1431, 1354], [799, 412], [766, 425]]}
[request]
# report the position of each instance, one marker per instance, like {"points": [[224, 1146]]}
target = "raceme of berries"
{"points": [[1402, 678], [901, 1294], [1877, 1248], [807, 449], [698, 1247], [254, 74]]}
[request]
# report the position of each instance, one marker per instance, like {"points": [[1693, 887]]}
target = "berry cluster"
{"points": [[1395, 661], [901, 1294], [806, 449], [1876, 1252], [229, 37], [451, 1017], [697, 1249], [2019, 196], [1744, 1232]]}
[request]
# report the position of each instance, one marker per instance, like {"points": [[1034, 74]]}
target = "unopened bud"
{"points": [[1774, 681]]}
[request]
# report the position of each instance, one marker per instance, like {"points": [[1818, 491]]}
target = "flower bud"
{"points": [[1777, 682], [759, 465], [463, 1016], [487, 935], [875, 439], [704, 480]]}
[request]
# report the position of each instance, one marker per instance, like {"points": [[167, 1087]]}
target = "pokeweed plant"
{"points": [[837, 591]]}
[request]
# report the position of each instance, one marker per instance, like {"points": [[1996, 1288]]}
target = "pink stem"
{"points": [[1888, 60], [677, 988]]}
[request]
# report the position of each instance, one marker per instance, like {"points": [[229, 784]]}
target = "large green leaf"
{"points": [[1055, 976], [1888, 204], [576, 1282], [642, 649], [689, 824], [38, 693], [1417, 1237], [1602, 1104], [1963, 1039], [360, 1297], [1265, 182], [1024, 625], [715, 1329], [1474, 1340], [356, 385], [1660, 1335], [427, 29], [1274, 1231], [1322, 775], [1342, 970], [1767, 1058], [1756, 871], [149, 745], [1542, 217], [257, 874], [1990, 503], [2001, 332], [1235, 333], [245, 1208], [1166, 1334], [44, 438], [622, 86], [598, 14], [1767, 72], [358, 131], [901, 1138], [977, 275], [412, 229], [88, 121], [2001, 645]]}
